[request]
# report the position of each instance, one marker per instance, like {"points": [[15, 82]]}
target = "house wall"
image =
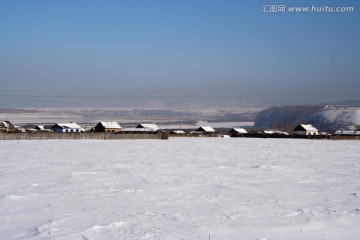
{"points": [[305, 133], [100, 128], [301, 133], [114, 130], [67, 130], [312, 133]]}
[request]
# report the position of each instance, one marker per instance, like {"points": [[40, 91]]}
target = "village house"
{"points": [[67, 127], [6, 126], [205, 129], [177, 132], [107, 127], [147, 127], [275, 132], [305, 130], [351, 131], [43, 128], [237, 132], [143, 127], [348, 132]]}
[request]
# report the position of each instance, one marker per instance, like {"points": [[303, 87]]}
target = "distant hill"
{"points": [[332, 119], [324, 118], [17, 110], [129, 115], [274, 116]]}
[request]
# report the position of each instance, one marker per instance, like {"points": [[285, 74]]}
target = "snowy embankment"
{"points": [[186, 188]]}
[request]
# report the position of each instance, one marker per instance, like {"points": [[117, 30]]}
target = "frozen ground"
{"points": [[187, 188]]}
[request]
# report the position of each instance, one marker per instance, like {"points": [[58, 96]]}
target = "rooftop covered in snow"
{"points": [[206, 129]]}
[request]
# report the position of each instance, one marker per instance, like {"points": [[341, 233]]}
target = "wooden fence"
{"points": [[83, 135]]}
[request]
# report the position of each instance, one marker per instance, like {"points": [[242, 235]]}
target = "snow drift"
{"points": [[188, 188]]}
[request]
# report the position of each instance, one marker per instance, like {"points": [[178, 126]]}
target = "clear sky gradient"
{"points": [[177, 48]]}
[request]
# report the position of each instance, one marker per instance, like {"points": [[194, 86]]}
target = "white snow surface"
{"points": [[183, 188], [350, 116], [340, 118]]}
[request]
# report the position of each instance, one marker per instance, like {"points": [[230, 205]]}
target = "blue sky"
{"points": [[203, 46]]}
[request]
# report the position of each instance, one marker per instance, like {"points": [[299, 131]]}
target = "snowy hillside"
{"points": [[335, 118], [327, 119], [276, 116], [188, 188]]}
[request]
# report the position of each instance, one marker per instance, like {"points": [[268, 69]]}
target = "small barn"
{"points": [[177, 132], [305, 130], [237, 132], [43, 128], [205, 129], [6, 126], [348, 132], [67, 127], [147, 127], [108, 127], [275, 132]]}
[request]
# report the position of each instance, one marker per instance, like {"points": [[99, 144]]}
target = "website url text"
{"points": [[278, 8]]}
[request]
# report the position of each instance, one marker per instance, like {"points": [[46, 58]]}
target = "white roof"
{"points": [[69, 125], [240, 130], [140, 129], [206, 129], [309, 127], [5, 124], [43, 127], [110, 125], [178, 131], [275, 132], [347, 132], [338, 132], [148, 125]]}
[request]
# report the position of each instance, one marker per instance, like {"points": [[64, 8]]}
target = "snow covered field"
{"points": [[186, 188]]}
